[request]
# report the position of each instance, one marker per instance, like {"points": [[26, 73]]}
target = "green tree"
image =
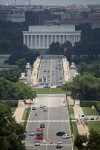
{"points": [[11, 133], [93, 140], [79, 141], [11, 74], [21, 63], [84, 87]]}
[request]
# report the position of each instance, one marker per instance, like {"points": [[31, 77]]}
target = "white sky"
{"points": [[51, 2]]}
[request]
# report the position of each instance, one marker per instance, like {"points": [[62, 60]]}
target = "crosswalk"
{"points": [[48, 144], [48, 121]]}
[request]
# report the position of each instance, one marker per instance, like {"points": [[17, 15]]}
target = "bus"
{"points": [[39, 134]]}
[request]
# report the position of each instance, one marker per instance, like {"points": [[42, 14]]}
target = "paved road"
{"points": [[55, 119], [51, 71]]}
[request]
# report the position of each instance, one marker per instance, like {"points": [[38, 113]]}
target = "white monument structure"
{"points": [[40, 37]]}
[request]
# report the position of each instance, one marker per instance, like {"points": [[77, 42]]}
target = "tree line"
{"points": [[87, 49], [86, 85]]}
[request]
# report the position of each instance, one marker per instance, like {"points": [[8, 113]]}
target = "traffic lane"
{"points": [[55, 127], [32, 147], [41, 115], [58, 113], [32, 127], [53, 147]]}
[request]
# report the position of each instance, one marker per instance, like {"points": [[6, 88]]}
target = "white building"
{"points": [[40, 37]]}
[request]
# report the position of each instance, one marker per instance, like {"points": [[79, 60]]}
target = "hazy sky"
{"points": [[51, 2]]}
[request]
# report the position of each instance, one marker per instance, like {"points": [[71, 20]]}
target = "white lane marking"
{"points": [[48, 121], [48, 144]]}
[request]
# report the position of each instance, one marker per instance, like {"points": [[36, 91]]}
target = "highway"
{"points": [[55, 119]]}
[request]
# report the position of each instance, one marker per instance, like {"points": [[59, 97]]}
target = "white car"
{"points": [[60, 143], [37, 143], [31, 133], [65, 136]]}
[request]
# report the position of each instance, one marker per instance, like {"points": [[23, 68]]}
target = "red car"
{"points": [[58, 146]]}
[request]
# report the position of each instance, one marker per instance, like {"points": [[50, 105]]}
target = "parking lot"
{"points": [[55, 120]]}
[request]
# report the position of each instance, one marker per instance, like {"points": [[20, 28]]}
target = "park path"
{"points": [[81, 123], [19, 114], [70, 101]]}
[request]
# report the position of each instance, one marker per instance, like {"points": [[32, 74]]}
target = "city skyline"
{"points": [[50, 2]]}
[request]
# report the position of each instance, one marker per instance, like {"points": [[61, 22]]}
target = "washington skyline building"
{"points": [[40, 37]]}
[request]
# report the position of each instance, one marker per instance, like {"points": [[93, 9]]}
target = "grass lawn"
{"points": [[13, 109], [89, 111], [75, 130], [49, 91], [26, 113], [71, 110], [95, 125]]}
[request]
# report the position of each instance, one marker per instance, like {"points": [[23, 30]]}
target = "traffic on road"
{"points": [[50, 129]]}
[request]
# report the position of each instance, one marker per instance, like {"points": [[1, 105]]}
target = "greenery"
{"points": [[12, 33], [49, 91], [64, 49], [26, 113], [11, 133], [75, 130], [89, 111], [95, 125], [15, 91], [11, 103], [85, 87], [71, 110], [13, 109], [92, 142]]}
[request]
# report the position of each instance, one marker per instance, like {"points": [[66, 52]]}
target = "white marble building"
{"points": [[40, 37]]}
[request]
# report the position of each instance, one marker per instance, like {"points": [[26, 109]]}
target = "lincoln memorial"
{"points": [[40, 37]]}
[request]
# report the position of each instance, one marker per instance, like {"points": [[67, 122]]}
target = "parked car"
{"points": [[65, 136], [37, 143], [60, 133]]}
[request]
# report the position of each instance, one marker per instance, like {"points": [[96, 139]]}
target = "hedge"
{"points": [[11, 103]]}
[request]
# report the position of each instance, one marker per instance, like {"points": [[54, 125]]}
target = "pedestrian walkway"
{"points": [[81, 123], [70, 101], [19, 114]]}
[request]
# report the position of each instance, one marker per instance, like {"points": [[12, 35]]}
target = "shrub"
{"points": [[11, 103]]}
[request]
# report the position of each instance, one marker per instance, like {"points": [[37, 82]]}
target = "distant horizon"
{"points": [[50, 2]]}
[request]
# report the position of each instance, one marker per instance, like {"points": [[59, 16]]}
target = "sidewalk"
{"points": [[19, 114], [80, 122]]}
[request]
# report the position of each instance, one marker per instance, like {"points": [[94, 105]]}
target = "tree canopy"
{"points": [[15, 91], [11, 133], [92, 142]]}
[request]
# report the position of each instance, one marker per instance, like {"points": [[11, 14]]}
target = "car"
{"points": [[31, 133], [45, 109], [42, 125], [58, 146], [60, 143], [33, 108], [38, 131], [41, 106], [44, 106], [65, 136], [37, 143], [60, 133]]}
